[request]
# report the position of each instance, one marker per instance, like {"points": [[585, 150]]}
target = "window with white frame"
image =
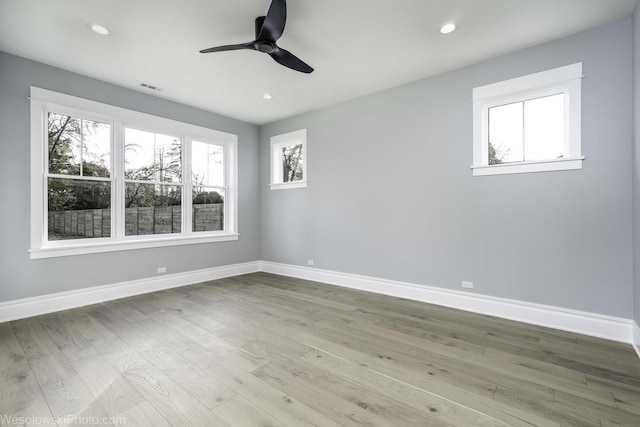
{"points": [[289, 160], [528, 124], [105, 178]]}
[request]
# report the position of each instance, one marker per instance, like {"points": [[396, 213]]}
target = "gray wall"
{"points": [[636, 163], [391, 194], [21, 277]]}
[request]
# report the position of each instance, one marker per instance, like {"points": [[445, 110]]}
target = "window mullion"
{"points": [[187, 194], [81, 147], [44, 219], [117, 201], [524, 131], [226, 207], [569, 138], [481, 131]]}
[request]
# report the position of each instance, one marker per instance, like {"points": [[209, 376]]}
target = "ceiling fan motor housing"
{"points": [[263, 45]]}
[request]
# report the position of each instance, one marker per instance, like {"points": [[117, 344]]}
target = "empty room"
{"points": [[337, 213]]}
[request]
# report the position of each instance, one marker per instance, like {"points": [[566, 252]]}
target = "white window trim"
{"points": [[43, 100], [278, 142], [567, 80]]}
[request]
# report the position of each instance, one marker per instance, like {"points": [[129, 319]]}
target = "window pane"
{"points": [[96, 153], [78, 147], [152, 209], [208, 209], [152, 156], [207, 166], [544, 128], [506, 135], [292, 163], [64, 144], [78, 209]]}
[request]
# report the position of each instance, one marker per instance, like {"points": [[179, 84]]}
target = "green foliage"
{"points": [[145, 195], [495, 158], [210, 197], [61, 130], [93, 169], [65, 136], [72, 194], [70, 142], [164, 165]]}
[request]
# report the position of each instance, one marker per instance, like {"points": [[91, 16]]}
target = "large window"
{"points": [[105, 178], [528, 124]]}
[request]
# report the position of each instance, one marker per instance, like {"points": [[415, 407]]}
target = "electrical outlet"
{"points": [[162, 270], [468, 285], [310, 262]]}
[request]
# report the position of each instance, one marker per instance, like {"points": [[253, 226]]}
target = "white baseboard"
{"points": [[636, 338], [43, 304], [601, 326], [596, 325]]}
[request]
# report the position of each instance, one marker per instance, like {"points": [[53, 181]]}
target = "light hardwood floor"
{"points": [[266, 350]]}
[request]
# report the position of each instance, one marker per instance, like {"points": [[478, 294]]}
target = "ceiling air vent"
{"points": [[150, 87]]}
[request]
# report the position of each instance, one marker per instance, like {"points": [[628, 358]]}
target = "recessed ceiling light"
{"points": [[99, 29], [448, 28], [267, 96]]}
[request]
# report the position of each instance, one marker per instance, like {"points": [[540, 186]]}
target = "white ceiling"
{"points": [[356, 46]]}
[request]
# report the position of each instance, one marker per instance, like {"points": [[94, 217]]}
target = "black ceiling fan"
{"points": [[268, 30]]}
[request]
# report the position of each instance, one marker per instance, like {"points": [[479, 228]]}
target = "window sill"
{"points": [[94, 247], [286, 185], [571, 163]]}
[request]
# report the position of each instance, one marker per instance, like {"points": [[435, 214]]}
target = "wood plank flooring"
{"points": [[266, 350]]}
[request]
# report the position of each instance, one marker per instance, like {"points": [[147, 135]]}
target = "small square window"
{"points": [[528, 124], [289, 160]]}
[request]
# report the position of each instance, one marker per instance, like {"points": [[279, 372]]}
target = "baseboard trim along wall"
{"points": [[596, 325], [636, 338], [35, 306], [601, 326]]}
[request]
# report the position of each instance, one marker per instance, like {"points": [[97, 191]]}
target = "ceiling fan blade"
{"points": [[248, 45], [289, 60], [273, 25]]}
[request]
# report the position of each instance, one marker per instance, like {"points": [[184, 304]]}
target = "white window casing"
{"points": [[45, 101], [566, 80]]}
